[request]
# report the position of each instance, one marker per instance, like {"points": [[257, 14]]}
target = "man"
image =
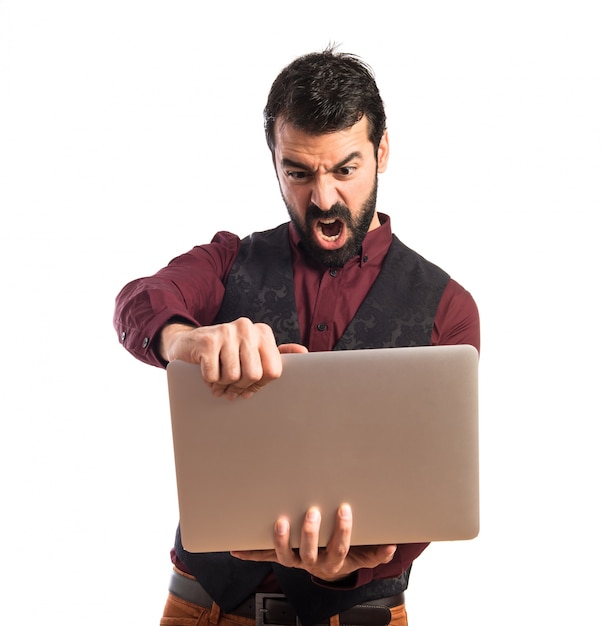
{"points": [[234, 306]]}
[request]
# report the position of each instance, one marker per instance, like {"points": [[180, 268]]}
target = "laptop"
{"points": [[391, 431]]}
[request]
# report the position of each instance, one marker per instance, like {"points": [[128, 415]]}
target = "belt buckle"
{"points": [[261, 609]]}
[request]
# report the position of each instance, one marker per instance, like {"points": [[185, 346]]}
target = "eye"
{"points": [[297, 175], [347, 171]]}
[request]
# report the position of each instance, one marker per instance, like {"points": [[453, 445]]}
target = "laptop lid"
{"points": [[391, 431]]}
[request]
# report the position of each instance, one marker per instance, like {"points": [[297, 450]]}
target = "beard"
{"points": [[357, 229]]}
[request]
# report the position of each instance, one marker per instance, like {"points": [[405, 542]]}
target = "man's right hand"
{"points": [[237, 358]]}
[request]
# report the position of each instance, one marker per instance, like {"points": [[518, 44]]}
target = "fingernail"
{"points": [[312, 515], [281, 527], [345, 511]]}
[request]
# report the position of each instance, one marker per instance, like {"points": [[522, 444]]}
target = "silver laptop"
{"points": [[392, 431]]}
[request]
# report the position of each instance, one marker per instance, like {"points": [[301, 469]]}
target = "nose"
{"points": [[324, 193]]}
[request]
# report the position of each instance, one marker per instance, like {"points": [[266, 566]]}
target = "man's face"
{"points": [[329, 185]]}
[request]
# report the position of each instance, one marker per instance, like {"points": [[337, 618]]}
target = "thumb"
{"points": [[290, 348], [386, 553]]}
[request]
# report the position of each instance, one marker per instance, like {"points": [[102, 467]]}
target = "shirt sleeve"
{"points": [[190, 288], [457, 320]]}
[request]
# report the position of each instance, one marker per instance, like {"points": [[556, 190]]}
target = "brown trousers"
{"points": [[178, 612]]}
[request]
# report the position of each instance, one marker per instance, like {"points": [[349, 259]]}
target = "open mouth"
{"points": [[329, 230]]}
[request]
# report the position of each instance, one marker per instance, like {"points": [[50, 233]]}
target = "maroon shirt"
{"points": [[191, 289]]}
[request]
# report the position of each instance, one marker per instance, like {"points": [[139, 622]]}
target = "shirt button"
{"points": [[321, 327], [333, 273], [123, 336], [145, 342]]}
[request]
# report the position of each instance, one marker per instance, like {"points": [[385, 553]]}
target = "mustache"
{"points": [[336, 211]]}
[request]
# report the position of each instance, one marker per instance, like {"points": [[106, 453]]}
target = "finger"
{"points": [[238, 358], [221, 367], [241, 360], [339, 543], [229, 353], [231, 392], [209, 363], [258, 355], [309, 537], [250, 363], [254, 555], [272, 365], [281, 535], [370, 556], [217, 389], [255, 372], [247, 386], [290, 348], [385, 554]]}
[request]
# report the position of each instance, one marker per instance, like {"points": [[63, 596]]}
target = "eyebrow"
{"points": [[285, 162]]}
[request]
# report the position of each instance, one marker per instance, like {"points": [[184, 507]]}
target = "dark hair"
{"points": [[324, 92]]}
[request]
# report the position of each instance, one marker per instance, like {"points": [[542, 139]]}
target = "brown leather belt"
{"points": [[274, 608]]}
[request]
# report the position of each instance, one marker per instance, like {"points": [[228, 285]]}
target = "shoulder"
{"points": [[421, 269], [216, 256], [275, 239], [457, 319], [276, 233]]}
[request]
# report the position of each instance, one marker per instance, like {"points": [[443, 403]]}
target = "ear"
{"points": [[383, 152]]}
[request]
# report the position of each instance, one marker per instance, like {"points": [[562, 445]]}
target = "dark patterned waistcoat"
{"points": [[398, 312]]}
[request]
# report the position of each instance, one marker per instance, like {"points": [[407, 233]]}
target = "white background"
{"points": [[131, 130]]}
